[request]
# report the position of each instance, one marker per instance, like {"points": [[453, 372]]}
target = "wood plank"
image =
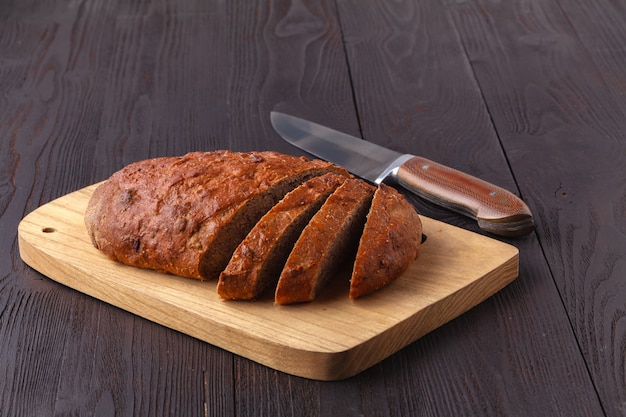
{"points": [[86, 87], [554, 87], [289, 58], [331, 338], [416, 90]]}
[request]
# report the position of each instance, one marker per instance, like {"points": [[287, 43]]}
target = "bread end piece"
{"points": [[390, 242]]}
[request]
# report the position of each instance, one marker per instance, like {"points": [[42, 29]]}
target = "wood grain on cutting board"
{"points": [[330, 338]]}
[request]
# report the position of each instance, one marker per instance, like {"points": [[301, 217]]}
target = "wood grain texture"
{"points": [[416, 90], [289, 57], [555, 91], [78, 87], [331, 338]]}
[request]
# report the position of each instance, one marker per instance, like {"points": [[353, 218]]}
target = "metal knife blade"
{"points": [[496, 210]]}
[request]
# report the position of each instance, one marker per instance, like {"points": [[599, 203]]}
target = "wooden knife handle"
{"points": [[497, 210]]}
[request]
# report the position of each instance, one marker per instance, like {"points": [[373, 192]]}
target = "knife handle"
{"points": [[495, 209]]}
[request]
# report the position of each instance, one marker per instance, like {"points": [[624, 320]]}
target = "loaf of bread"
{"points": [[186, 215], [255, 220]]}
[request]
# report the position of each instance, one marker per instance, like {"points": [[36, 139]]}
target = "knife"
{"points": [[496, 210]]}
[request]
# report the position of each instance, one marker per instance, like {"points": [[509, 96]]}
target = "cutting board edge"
{"points": [[312, 364], [415, 327], [307, 363]]}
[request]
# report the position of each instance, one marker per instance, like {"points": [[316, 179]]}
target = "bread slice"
{"points": [[186, 215], [324, 243], [389, 244], [258, 260]]}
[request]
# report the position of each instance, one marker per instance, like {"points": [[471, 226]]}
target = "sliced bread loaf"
{"points": [[258, 260], [324, 243]]}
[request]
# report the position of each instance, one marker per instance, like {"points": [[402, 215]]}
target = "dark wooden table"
{"points": [[528, 94]]}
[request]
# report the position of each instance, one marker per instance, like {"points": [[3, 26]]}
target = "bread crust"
{"points": [[258, 260], [176, 214], [324, 243], [389, 244]]}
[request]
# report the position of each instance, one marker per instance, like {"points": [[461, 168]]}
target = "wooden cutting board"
{"points": [[330, 338]]}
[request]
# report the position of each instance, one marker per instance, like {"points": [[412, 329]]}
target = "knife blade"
{"points": [[496, 210]]}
